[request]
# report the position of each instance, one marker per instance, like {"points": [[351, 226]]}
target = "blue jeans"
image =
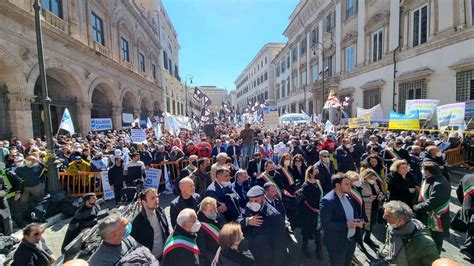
{"points": [[247, 152]]}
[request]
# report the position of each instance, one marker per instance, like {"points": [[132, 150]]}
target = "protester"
{"points": [[372, 196], [32, 249], [407, 241], [150, 227], [201, 177], [85, 217], [188, 199], [247, 135], [397, 152], [133, 170], [433, 154], [401, 183], [256, 166], [433, 203], [326, 171], [241, 185], [117, 178], [298, 170], [181, 248], [208, 235], [340, 218], [10, 186], [465, 194], [345, 156], [220, 162], [227, 199], [233, 247]]}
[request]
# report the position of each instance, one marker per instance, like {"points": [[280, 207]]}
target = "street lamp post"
{"points": [[53, 175], [190, 77]]}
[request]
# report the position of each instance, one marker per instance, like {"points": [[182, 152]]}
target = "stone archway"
{"points": [[103, 100], [129, 106], [145, 107], [64, 92]]}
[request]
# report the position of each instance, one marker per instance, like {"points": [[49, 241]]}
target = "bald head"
{"points": [[445, 262], [76, 262], [186, 185]]}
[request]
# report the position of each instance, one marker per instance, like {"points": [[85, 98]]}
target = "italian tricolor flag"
{"points": [[180, 242], [212, 230]]}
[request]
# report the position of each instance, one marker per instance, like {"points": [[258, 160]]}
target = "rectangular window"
{"points": [[278, 92], [282, 66], [124, 49], [266, 96], [377, 45], [283, 89], [472, 11], [315, 72], [153, 71], [304, 78], [371, 98], [97, 29], [314, 36], [54, 6], [330, 19], [287, 86], [330, 66], [265, 75], [288, 62], [265, 60], [350, 58], [303, 46], [350, 8], [465, 85], [176, 72], [411, 90], [165, 60], [141, 61], [420, 25], [170, 66], [294, 53], [278, 71]]}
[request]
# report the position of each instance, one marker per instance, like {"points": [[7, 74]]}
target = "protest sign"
{"points": [[271, 119], [153, 177], [359, 122], [424, 107], [405, 122], [375, 112], [99, 124], [469, 113], [138, 135], [451, 115], [108, 193]]}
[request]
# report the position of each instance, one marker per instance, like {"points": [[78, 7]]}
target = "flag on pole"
{"points": [[158, 132], [168, 185], [197, 94], [332, 101], [148, 123], [171, 124], [66, 122]]}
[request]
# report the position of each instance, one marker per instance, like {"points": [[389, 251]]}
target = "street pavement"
{"points": [[54, 236]]}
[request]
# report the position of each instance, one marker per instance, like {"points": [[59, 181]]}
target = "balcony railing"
{"points": [[101, 49], [126, 64], [54, 20]]}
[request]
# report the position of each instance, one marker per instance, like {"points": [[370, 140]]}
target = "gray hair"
{"points": [[109, 224], [323, 152], [185, 216], [399, 210], [221, 170], [221, 156], [240, 172]]}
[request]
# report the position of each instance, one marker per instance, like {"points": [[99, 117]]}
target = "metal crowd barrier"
{"points": [[77, 185]]}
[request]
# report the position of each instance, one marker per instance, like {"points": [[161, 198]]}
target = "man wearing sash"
{"points": [[465, 193], [181, 247], [269, 175], [395, 152], [208, 235], [433, 203]]}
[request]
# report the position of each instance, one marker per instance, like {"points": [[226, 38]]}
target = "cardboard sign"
{"points": [[271, 119], [359, 122], [404, 122], [153, 177], [108, 193], [138, 135], [99, 124]]}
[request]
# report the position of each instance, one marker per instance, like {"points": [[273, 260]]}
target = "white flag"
{"points": [[158, 132], [148, 123], [66, 122], [171, 124]]}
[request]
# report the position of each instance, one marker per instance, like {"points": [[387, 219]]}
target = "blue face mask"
{"points": [[128, 230]]}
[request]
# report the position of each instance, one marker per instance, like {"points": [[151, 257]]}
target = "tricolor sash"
{"points": [[181, 242], [468, 191], [212, 230], [313, 209], [288, 176], [356, 195], [434, 222], [393, 153], [267, 178]]}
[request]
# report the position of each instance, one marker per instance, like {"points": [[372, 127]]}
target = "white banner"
{"points": [[127, 118], [153, 177], [66, 122], [451, 115], [375, 112], [138, 135], [425, 107], [98, 124], [171, 124], [108, 193]]}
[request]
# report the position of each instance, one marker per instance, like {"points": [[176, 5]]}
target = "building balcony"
{"points": [[54, 20], [126, 64], [102, 49]]}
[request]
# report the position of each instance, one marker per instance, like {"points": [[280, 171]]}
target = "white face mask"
{"points": [[196, 227], [357, 183], [422, 172], [287, 162], [20, 164], [394, 226], [348, 146], [439, 154], [326, 160], [225, 183], [371, 181], [254, 206]]}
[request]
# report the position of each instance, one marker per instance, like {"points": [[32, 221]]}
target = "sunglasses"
{"points": [[324, 156]]}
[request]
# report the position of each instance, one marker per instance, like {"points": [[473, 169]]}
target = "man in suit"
{"points": [[340, 218], [256, 167], [326, 171], [233, 150], [222, 191], [395, 152], [465, 193]]}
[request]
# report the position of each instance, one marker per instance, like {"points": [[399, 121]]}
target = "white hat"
{"points": [[118, 152]]}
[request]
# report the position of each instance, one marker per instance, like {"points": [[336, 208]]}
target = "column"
{"points": [[117, 117], [338, 37], [84, 117], [21, 123], [361, 32]]}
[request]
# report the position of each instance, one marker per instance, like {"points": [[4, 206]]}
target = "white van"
{"points": [[294, 118]]}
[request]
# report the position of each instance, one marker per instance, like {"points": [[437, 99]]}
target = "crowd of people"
{"points": [[244, 194]]}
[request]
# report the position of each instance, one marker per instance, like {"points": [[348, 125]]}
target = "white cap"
{"points": [[118, 152]]}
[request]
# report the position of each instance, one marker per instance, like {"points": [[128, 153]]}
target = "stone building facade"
{"points": [[102, 59], [382, 51]]}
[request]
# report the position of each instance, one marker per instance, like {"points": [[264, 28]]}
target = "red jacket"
{"points": [[204, 152]]}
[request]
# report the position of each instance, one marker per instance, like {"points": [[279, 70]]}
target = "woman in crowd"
{"points": [[208, 236], [307, 217], [375, 163], [356, 195], [298, 169], [401, 184], [288, 187], [233, 250], [372, 195]]}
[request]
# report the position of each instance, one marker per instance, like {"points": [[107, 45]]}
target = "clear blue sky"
{"points": [[218, 38]]}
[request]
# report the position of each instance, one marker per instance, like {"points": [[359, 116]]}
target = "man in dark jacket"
{"points": [[233, 150], [208, 235], [256, 167], [433, 154], [85, 217], [222, 191], [188, 199], [32, 249], [117, 177], [395, 152], [145, 154], [241, 185], [150, 227], [263, 226], [433, 203], [326, 171], [345, 156], [160, 155], [181, 248], [465, 193], [201, 177]]}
